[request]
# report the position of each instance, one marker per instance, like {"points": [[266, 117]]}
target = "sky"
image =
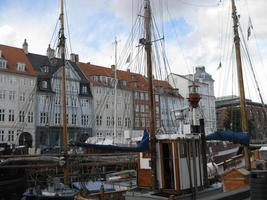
{"points": [[196, 32]]}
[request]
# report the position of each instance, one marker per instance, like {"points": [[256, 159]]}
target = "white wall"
{"points": [[24, 89], [207, 102], [103, 103]]}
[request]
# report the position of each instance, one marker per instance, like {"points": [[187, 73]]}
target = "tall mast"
{"points": [[147, 26], [244, 118], [63, 95], [115, 90]]}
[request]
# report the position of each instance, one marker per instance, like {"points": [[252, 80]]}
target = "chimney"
{"points": [[113, 68], [128, 70], [50, 52], [25, 46], [74, 57]]}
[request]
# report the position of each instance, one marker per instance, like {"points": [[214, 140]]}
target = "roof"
{"points": [[13, 56], [134, 81], [54, 64], [228, 101], [242, 171], [188, 79]]}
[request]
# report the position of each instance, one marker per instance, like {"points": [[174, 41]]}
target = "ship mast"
{"points": [[63, 94], [244, 118], [147, 26], [115, 90]]}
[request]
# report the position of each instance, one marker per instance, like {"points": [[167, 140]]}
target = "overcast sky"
{"points": [[197, 32]]}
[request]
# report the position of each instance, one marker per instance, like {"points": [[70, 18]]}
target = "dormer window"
{"points": [[84, 89], [44, 84], [95, 78], [45, 69], [21, 67], [3, 63], [124, 82]]}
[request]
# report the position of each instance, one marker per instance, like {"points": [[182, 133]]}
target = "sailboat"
{"points": [[56, 189], [243, 137]]}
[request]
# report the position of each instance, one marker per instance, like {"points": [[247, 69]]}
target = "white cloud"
{"points": [[94, 24]]}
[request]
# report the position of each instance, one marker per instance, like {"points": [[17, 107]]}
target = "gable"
{"points": [[71, 73]]}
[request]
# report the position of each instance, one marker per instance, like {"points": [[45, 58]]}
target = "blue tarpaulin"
{"points": [[231, 136], [141, 147]]}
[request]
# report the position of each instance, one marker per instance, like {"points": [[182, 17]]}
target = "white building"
{"points": [[206, 90], [170, 100], [49, 108], [102, 86], [17, 96]]}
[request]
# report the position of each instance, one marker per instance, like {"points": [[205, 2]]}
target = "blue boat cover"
{"points": [[231, 136], [141, 147], [93, 187]]}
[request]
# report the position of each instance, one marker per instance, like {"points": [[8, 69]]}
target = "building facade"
{"points": [[103, 88], [17, 97], [228, 109], [206, 91], [49, 118]]}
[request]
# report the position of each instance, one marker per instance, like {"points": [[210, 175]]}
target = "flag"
{"points": [[220, 66], [250, 26], [128, 58]]}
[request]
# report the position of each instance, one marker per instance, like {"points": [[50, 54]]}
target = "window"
{"points": [[157, 123], [67, 118], [2, 135], [57, 100], [157, 109], [107, 105], [21, 66], [2, 94], [11, 95], [119, 121], [74, 102], [30, 117], [129, 122], [44, 118], [136, 95], [156, 97], [85, 120], [147, 122], [2, 115], [84, 89], [136, 108], [22, 96], [142, 108], [126, 122], [98, 120], [108, 121], [3, 63], [45, 69], [182, 149], [44, 84], [21, 116], [57, 118], [147, 108], [141, 95], [11, 136], [11, 116], [143, 122], [137, 122], [74, 119], [146, 96]]}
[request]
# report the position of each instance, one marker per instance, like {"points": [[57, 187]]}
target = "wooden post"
{"points": [[63, 94], [102, 193], [147, 26], [203, 150], [244, 118]]}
